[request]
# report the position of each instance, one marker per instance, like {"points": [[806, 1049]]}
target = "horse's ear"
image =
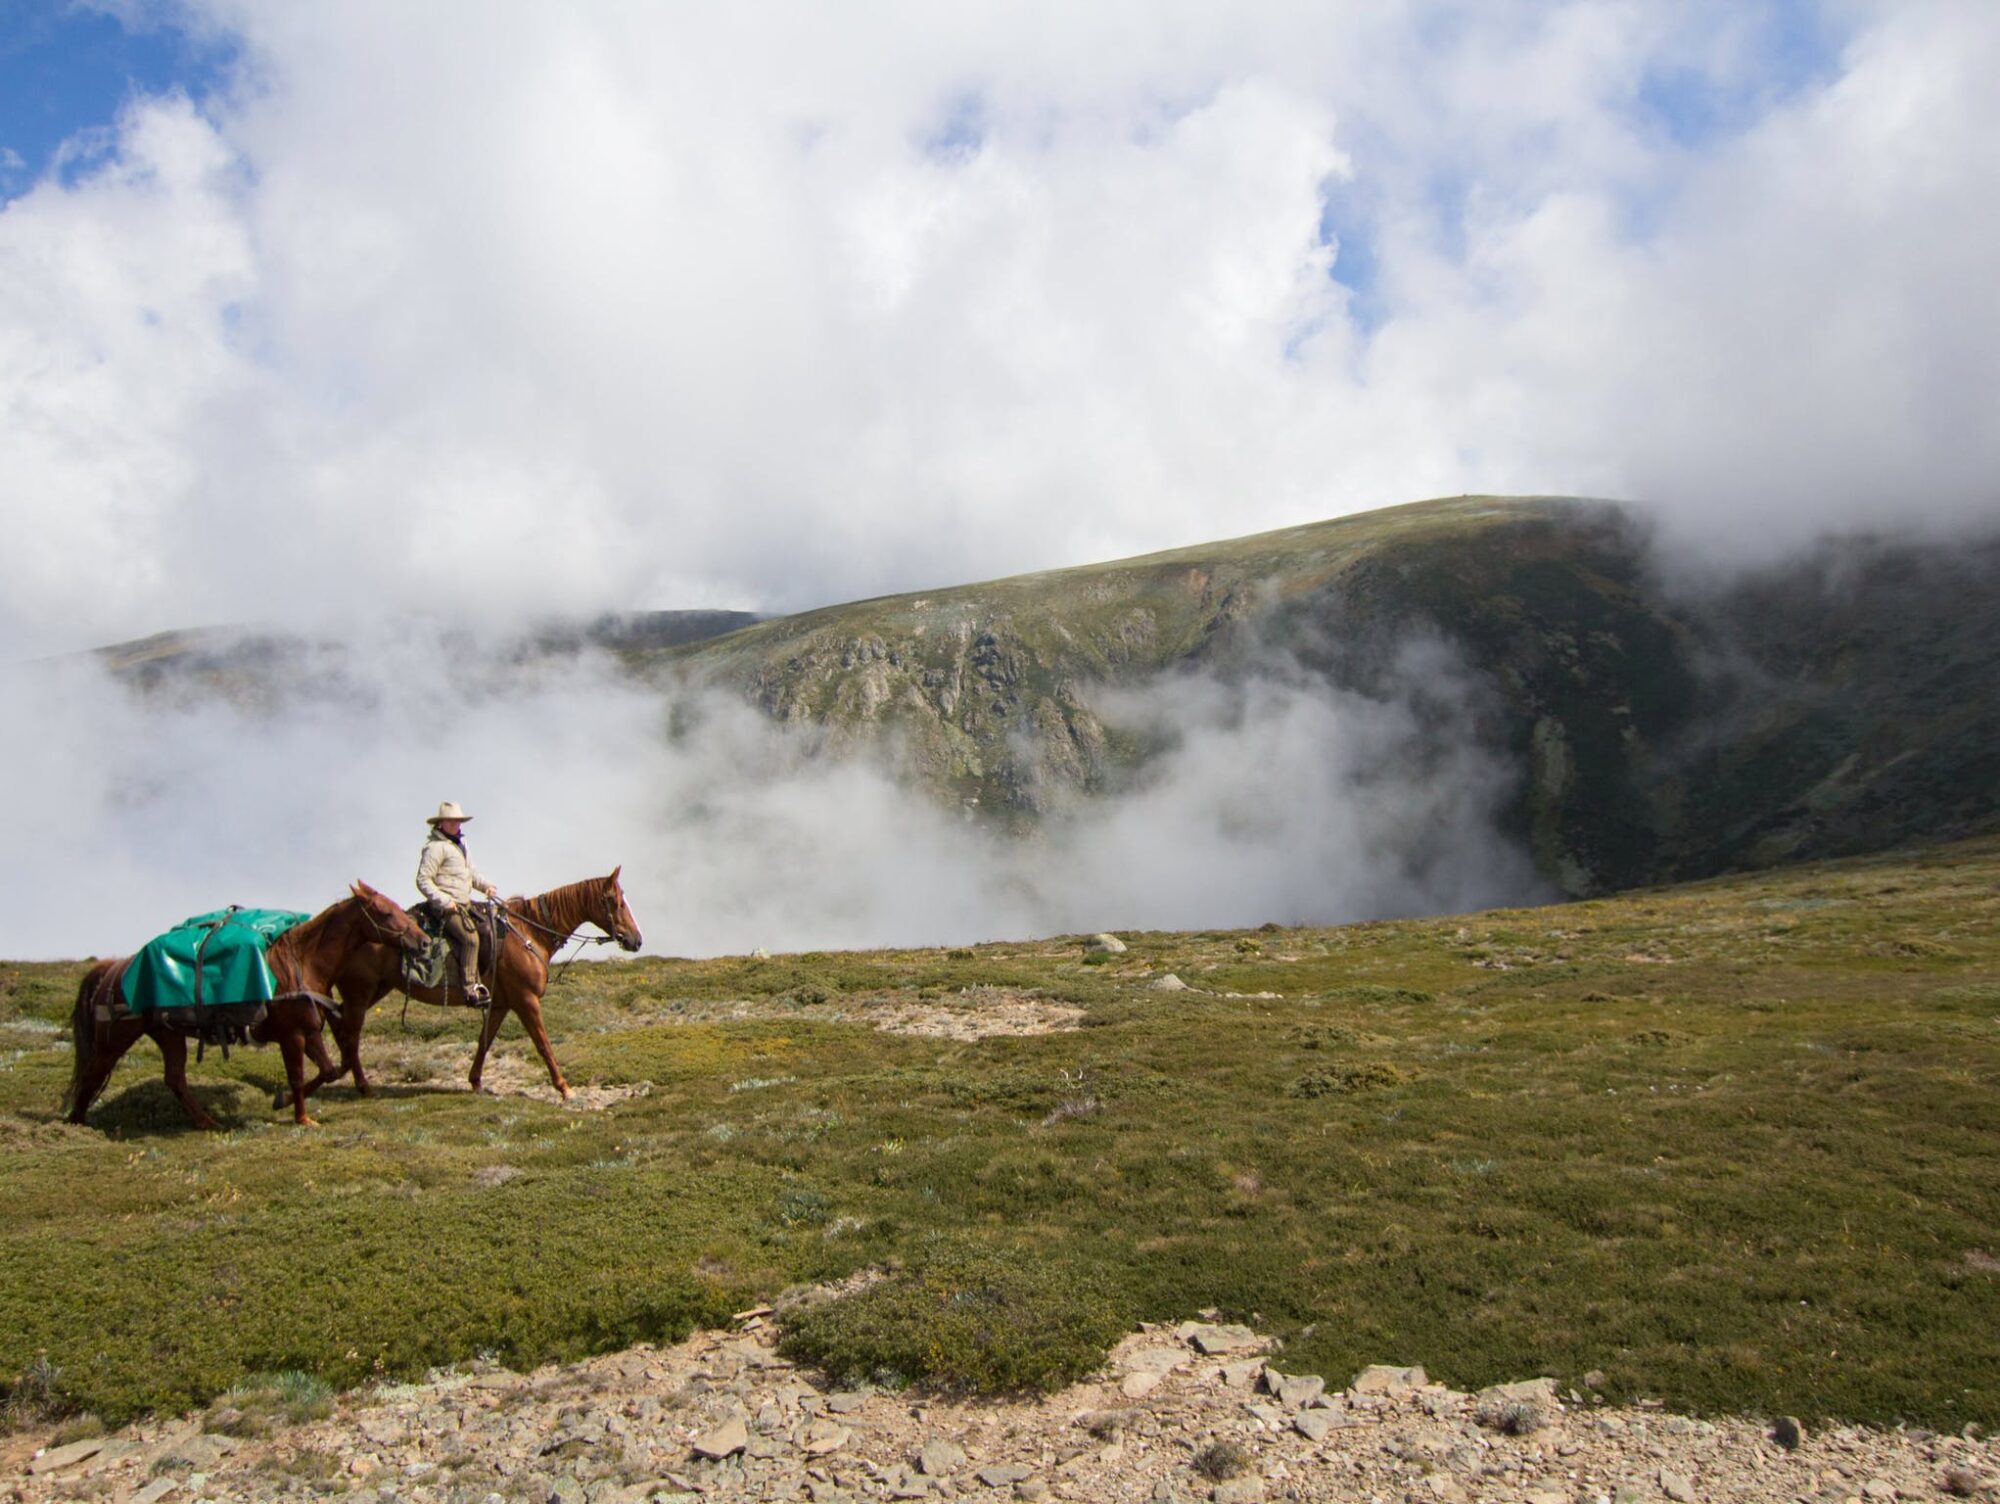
{"points": [[358, 888], [616, 870]]}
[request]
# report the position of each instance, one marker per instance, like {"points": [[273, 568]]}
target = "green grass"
{"points": [[969, 1314], [1736, 1145]]}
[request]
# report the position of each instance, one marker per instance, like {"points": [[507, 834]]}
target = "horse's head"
{"points": [[391, 924], [610, 912]]}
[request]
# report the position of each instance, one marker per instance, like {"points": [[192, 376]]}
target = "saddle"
{"points": [[433, 967]]}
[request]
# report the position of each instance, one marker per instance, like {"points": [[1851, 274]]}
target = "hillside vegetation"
{"points": [[1734, 1145]]}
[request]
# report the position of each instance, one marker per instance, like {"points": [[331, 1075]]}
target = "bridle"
{"points": [[382, 929], [540, 924]]}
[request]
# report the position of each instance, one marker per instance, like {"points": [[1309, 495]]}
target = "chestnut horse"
{"points": [[536, 929], [303, 960]]}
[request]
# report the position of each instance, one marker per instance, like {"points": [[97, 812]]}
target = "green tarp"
{"points": [[228, 946]]}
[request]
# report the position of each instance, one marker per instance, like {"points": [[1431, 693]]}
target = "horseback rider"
{"points": [[447, 879]]}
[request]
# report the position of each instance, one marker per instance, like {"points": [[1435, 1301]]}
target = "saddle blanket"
{"points": [[209, 961]]}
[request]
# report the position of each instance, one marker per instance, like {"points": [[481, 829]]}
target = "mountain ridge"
{"points": [[1839, 702]]}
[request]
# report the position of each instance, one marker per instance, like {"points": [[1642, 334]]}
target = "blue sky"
{"points": [[66, 70]]}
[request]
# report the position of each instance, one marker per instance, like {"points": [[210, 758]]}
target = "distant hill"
{"points": [[1844, 702], [257, 664]]}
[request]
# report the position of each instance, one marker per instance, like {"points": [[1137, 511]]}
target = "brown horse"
{"points": [[536, 929], [303, 960]]}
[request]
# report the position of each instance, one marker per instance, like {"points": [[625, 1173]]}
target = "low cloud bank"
{"points": [[1278, 798]]}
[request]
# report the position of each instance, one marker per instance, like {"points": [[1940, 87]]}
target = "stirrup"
{"points": [[480, 996]]}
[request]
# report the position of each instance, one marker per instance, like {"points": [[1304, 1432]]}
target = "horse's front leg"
{"points": [[489, 1030], [174, 1050], [530, 1009]]}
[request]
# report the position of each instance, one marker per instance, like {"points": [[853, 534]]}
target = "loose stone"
{"points": [[1211, 1340], [1517, 1408], [57, 1458], [938, 1458], [1385, 1378], [730, 1437], [1295, 1391], [1313, 1424], [1676, 1486], [1242, 1374], [824, 1436]]}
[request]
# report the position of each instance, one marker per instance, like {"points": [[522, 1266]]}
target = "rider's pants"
{"points": [[464, 937]]}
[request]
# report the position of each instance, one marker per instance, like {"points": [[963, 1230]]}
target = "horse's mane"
{"points": [[554, 896], [295, 944]]}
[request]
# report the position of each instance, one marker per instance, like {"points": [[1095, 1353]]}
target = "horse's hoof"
{"points": [[282, 1099], [308, 1122], [566, 1092]]}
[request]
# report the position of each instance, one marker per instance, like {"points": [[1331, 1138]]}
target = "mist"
{"points": [[1278, 797]]}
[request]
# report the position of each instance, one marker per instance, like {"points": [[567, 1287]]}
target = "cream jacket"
{"points": [[445, 873]]}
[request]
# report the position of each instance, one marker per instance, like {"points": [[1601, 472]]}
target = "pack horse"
{"points": [[287, 990]]}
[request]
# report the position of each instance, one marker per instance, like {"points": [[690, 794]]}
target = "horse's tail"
{"points": [[85, 1031], [83, 1035]]}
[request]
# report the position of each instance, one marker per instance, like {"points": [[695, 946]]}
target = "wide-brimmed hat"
{"points": [[449, 811]]}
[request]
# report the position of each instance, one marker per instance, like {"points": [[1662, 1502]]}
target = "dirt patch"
{"points": [[511, 1071], [514, 1075], [975, 1013]]}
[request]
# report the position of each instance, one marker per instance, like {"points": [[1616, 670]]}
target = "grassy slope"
{"points": [[1737, 1145]]}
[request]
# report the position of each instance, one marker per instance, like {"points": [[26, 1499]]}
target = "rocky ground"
{"points": [[1195, 1412]]}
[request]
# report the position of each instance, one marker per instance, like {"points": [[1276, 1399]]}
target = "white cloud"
{"points": [[1279, 799], [509, 308]]}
